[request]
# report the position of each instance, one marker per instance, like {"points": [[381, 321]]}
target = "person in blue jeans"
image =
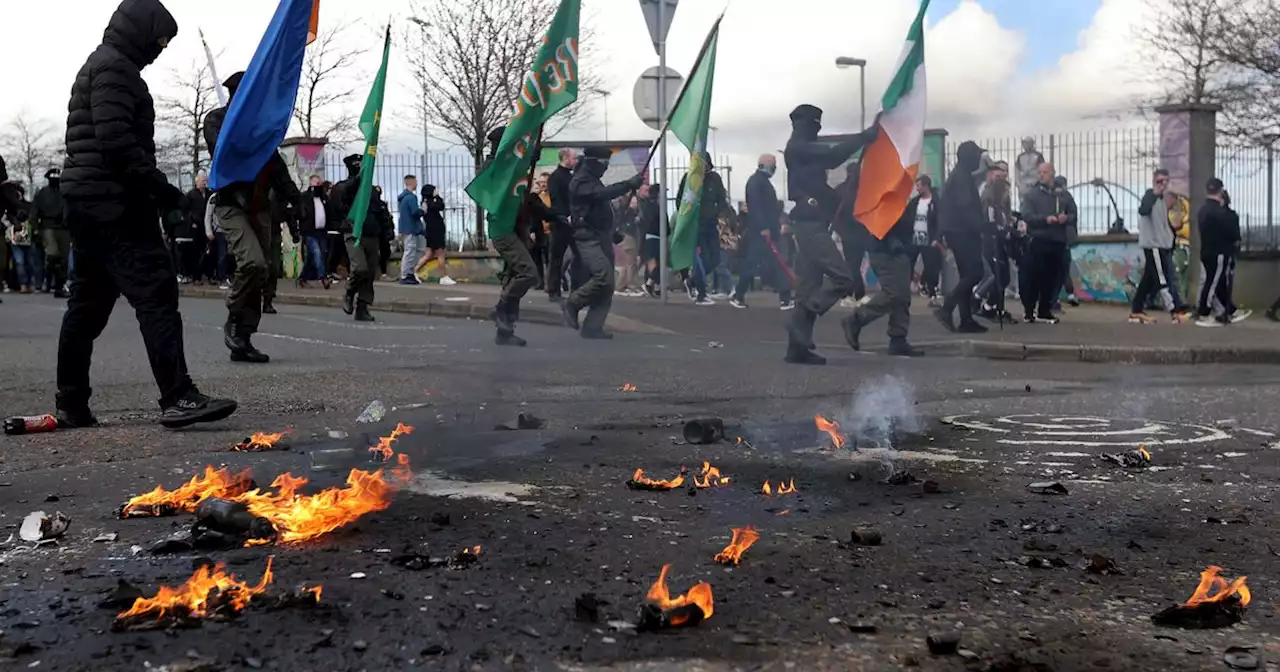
{"points": [[411, 230], [313, 225]]}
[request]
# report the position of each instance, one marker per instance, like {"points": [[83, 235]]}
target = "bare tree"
{"points": [[33, 145], [468, 61], [192, 95], [330, 82], [1218, 52]]}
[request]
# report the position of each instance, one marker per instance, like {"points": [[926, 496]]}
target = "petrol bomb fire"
{"points": [[743, 538], [628, 387], [295, 517], [661, 611], [1216, 603], [639, 481], [710, 477], [832, 429], [185, 498], [211, 593], [783, 488], [259, 441]]}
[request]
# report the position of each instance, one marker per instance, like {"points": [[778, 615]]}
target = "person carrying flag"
{"points": [[521, 274], [243, 210]]}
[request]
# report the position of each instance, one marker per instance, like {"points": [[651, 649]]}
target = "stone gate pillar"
{"points": [[305, 157], [1188, 147]]}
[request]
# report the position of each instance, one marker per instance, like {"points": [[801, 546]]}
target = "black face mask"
{"points": [[597, 167]]}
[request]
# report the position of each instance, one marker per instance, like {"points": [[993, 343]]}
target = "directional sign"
{"points": [[658, 30]]}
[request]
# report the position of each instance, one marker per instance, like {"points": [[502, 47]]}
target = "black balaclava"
{"points": [[968, 156], [596, 159], [428, 191], [352, 163], [806, 122], [495, 139], [54, 176]]}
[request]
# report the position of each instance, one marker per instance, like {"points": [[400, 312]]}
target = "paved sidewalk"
{"points": [[1089, 333]]}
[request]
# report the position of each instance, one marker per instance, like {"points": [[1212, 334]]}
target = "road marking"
{"points": [[316, 341], [361, 327], [1087, 431]]}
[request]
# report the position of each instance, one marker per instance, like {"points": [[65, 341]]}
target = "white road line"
{"points": [[316, 341]]}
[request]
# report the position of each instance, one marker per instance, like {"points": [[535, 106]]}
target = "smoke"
{"points": [[882, 409]]}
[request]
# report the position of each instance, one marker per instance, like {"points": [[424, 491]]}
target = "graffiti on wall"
{"points": [[1107, 272]]}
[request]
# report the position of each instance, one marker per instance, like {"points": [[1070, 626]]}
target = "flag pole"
{"points": [[706, 43], [213, 70]]}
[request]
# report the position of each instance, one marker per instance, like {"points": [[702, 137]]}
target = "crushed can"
{"points": [[31, 424]]}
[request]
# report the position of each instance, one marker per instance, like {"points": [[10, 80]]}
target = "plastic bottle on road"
{"points": [[374, 412]]}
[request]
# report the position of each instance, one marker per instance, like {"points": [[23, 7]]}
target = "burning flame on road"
{"points": [[192, 599], [628, 387], [1142, 450], [641, 482], [296, 517], [259, 441], [699, 595], [383, 449], [743, 538], [832, 428], [786, 488], [710, 477], [1214, 588], [212, 483]]}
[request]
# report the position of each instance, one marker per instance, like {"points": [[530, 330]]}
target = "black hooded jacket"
{"points": [[808, 160], [273, 177], [46, 206], [591, 202], [111, 149], [961, 210], [433, 206]]}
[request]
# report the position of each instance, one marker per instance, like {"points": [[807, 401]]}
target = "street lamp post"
{"points": [[861, 64], [606, 94]]}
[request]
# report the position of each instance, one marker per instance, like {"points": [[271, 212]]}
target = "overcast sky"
{"points": [[995, 67]]}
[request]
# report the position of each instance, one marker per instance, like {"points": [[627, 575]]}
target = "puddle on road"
{"points": [[438, 485]]}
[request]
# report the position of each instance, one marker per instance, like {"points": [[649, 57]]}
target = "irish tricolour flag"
{"points": [[891, 163]]}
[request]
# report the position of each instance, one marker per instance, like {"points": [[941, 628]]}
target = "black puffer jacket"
{"points": [[111, 149]]}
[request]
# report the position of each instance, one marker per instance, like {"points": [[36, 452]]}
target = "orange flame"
{"points": [[832, 428], [699, 594], [710, 477], [474, 550], [1142, 450], [743, 538], [192, 597], [259, 441], [212, 483], [640, 479], [1214, 588], [786, 488], [628, 387], [383, 449]]}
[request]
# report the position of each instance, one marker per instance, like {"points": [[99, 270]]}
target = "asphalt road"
{"points": [[551, 512]]}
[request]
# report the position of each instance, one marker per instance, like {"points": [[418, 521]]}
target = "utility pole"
{"points": [[861, 64], [663, 260]]}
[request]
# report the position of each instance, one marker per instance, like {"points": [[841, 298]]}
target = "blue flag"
{"points": [[263, 105]]}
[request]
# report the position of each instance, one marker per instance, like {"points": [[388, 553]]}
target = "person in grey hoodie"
{"points": [[1156, 238]]}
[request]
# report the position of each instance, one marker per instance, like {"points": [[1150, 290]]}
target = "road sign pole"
{"points": [[663, 273]]}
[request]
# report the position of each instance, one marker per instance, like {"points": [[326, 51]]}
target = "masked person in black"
{"points": [[591, 209], [245, 214], [520, 274], [364, 257], [963, 224], [822, 274], [47, 216], [891, 258], [113, 191]]}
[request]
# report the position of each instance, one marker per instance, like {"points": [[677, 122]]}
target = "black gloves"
{"points": [[636, 180]]}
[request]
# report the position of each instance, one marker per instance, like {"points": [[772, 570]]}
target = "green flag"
{"points": [[370, 122], [690, 121], [549, 87]]}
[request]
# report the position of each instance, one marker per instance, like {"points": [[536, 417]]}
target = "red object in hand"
{"points": [[34, 424]]}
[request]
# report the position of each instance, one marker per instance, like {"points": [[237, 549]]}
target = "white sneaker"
{"points": [[447, 281], [224, 285], [848, 302], [719, 296], [787, 305], [1241, 316], [736, 303], [863, 301], [704, 302], [1208, 321]]}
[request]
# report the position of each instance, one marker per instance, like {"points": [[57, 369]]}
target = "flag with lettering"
{"points": [[370, 123], [550, 86]]}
